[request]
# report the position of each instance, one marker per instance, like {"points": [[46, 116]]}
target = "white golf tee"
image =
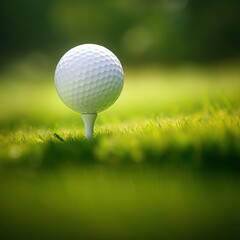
{"points": [[89, 120]]}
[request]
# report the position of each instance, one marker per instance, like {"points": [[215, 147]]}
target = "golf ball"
{"points": [[89, 78]]}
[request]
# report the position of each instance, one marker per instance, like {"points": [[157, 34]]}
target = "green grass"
{"points": [[164, 162]]}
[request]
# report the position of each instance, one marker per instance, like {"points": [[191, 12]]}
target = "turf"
{"points": [[164, 162]]}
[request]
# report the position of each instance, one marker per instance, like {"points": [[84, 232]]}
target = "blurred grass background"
{"points": [[165, 159]]}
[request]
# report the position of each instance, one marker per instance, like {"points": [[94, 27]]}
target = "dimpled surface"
{"points": [[89, 78]]}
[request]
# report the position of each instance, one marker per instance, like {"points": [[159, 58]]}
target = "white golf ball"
{"points": [[89, 78]]}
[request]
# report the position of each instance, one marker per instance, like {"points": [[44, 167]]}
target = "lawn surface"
{"points": [[164, 162]]}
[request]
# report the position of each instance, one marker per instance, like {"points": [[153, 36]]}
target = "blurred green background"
{"points": [[165, 159], [139, 31]]}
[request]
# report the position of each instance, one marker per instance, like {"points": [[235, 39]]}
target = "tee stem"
{"points": [[89, 120]]}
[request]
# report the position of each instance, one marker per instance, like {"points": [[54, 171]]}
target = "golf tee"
{"points": [[89, 120]]}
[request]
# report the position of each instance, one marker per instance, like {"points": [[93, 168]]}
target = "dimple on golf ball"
{"points": [[89, 78]]}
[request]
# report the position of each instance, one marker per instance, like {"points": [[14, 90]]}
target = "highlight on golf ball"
{"points": [[89, 78]]}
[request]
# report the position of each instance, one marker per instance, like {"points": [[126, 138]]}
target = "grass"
{"points": [[164, 162]]}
